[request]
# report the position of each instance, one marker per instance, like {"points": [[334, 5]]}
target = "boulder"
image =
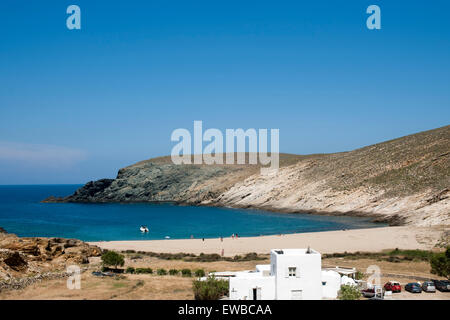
{"points": [[15, 261]]}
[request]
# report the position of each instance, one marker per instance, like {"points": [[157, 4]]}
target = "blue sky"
{"points": [[76, 105]]}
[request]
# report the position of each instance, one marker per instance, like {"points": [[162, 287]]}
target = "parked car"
{"points": [[442, 285], [393, 286], [413, 287], [368, 293], [428, 286]]}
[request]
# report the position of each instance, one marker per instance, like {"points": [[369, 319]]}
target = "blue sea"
{"points": [[22, 213]]}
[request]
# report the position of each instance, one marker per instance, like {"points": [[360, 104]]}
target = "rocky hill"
{"points": [[402, 181], [25, 257]]}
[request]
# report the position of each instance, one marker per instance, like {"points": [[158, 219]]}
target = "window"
{"points": [[292, 271]]}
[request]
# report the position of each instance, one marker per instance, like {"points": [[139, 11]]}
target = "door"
{"points": [[296, 295], [256, 293]]}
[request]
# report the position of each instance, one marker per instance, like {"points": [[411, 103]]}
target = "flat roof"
{"points": [[263, 267], [293, 252], [342, 270]]}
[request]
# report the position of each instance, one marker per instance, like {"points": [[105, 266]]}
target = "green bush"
{"points": [[396, 255], [349, 292], [130, 270], [161, 272], [199, 273], [359, 275], [173, 272], [440, 264], [186, 273], [418, 255], [144, 270], [112, 258], [210, 289]]}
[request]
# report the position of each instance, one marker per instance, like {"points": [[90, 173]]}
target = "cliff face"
{"points": [[161, 182], [403, 181]]}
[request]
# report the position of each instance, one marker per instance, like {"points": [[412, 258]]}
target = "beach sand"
{"points": [[369, 240]]}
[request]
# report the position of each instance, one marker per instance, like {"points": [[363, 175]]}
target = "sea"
{"points": [[22, 213]]}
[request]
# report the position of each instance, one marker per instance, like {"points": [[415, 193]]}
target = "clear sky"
{"points": [[77, 105]]}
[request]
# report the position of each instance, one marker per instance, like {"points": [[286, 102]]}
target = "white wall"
{"points": [[308, 278], [279, 285], [332, 285], [241, 287]]}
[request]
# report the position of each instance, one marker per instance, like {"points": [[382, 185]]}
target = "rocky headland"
{"points": [[405, 181]]}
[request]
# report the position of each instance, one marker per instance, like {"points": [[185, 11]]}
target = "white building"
{"points": [[331, 283], [293, 274]]}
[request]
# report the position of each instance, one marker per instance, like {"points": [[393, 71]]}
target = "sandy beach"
{"points": [[374, 239]]}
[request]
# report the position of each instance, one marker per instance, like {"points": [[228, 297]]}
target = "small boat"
{"points": [[166, 237], [143, 229]]}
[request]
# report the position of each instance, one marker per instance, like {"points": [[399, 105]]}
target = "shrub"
{"points": [[112, 258], [161, 272], [359, 275], [186, 273], [440, 263], [199, 273], [349, 292], [139, 283], [418, 255], [144, 270], [210, 289], [173, 272], [130, 270]]}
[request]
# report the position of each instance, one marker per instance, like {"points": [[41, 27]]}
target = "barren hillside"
{"points": [[402, 181]]}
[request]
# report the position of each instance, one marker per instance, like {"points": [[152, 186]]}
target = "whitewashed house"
{"points": [[331, 283], [293, 274]]}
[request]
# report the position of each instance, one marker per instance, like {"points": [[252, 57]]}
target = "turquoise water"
{"points": [[22, 213]]}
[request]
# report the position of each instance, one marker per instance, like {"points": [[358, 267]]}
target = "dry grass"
{"points": [[411, 268], [128, 286], [402, 166], [95, 288]]}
